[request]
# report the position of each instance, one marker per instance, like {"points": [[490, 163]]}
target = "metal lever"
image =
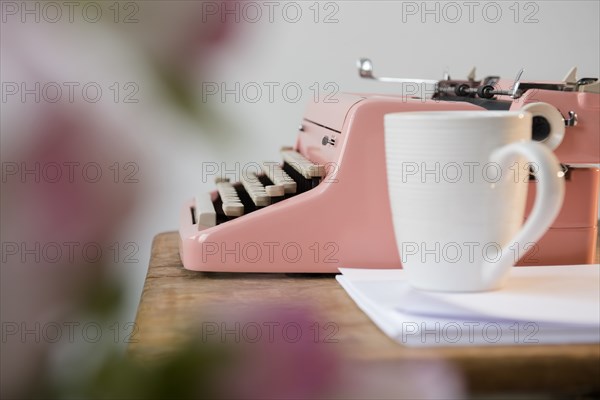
{"points": [[572, 120], [365, 70], [515, 88]]}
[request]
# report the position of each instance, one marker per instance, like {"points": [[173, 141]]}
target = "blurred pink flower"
{"points": [[78, 140], [287, 361], [52, 207], [69, 185], [288, 353]]}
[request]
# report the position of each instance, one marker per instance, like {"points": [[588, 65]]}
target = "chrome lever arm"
{"points": [[365, 70]]}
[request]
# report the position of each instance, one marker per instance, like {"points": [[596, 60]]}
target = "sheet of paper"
{"points": [[557, 304]]}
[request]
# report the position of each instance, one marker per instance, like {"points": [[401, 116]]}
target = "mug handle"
{"points": [[549, 197]]}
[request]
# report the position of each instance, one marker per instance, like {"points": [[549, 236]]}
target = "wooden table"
{"points": [[173, 300]]}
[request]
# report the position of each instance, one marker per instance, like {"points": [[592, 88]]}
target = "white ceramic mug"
{"points": [[457, 183]]}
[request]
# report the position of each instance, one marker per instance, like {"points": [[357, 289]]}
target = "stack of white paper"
{"points": [[538, 305]]}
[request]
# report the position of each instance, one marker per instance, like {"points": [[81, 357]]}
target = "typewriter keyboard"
{"points": [[255, 191]]}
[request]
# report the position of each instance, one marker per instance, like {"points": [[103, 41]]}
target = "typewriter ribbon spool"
{"points": [[548, 124]]}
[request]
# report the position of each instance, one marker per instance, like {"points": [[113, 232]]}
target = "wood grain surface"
{"points": [[175, 301]]}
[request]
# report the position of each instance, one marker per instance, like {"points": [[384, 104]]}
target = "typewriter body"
{"points": [[327, 205]]}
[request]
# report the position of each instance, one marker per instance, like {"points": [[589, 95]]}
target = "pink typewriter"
{"points": [[326, 205]]}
